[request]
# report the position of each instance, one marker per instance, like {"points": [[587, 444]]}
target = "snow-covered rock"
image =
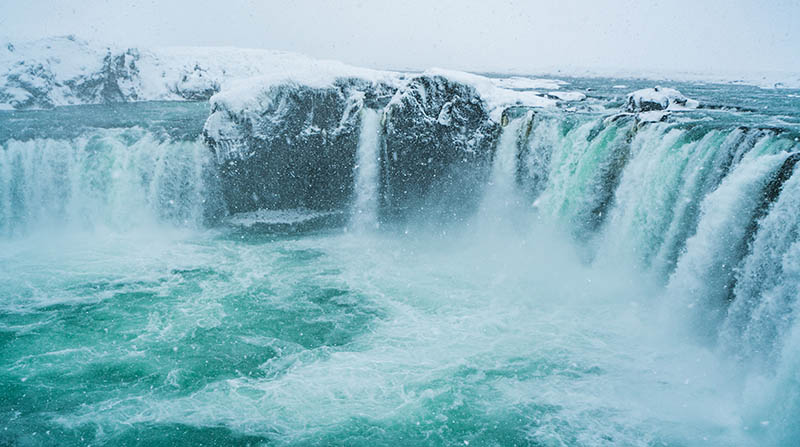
{"points": [[438, 128], [495, 97], [288, 139], [659, 98], [290, 145]]}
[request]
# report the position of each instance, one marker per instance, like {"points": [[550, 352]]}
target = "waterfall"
{"points": [[535, 158], [504, 166], [767, 284], [118, 178], [705, 273], [584, 168], [367, 170], [501, 194], [657, 203]]}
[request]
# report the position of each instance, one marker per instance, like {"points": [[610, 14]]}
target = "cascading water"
{"points": [[501, 193], [367, 178], [118, 178], [584, 166], [502, 182], [704, 276], [658, 199], [767, 284]]}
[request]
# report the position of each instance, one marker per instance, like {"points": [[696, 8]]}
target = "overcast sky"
{"points": [[717, 36]]}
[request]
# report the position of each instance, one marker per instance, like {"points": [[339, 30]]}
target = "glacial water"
{"points": [[620, 285]]}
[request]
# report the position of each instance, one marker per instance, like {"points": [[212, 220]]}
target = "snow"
{"points": [[497, 99], [654, 116], [219, 128], [45, 73], [659, 98], [251, 93]]}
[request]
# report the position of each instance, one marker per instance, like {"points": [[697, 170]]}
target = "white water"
{"points": [[702, 280], [501, 196], [365, 206], [581, 165], [767, 284], [502, 183], [116, 178]]}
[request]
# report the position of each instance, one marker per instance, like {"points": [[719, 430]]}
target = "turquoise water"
{"points": [[573, 308], [223, 337]]}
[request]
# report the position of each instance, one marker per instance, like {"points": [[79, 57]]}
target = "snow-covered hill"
{"points": [[66, 70]]}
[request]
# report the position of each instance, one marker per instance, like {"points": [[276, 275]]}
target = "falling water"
{"points": [[117, 178], [365, 208], [501, 194]]}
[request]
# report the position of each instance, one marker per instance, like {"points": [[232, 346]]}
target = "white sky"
{"points": [[714, 36]]}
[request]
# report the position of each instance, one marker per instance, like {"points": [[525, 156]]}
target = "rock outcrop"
{"points": [[292, 143], [439, 136], [296, 150], [658, 98]]}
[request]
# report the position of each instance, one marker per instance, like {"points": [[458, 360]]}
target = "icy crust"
{"points": [[659, 98]]}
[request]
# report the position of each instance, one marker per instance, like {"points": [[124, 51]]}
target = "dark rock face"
{"points": [[438, 137], [299, 149], [298, 152]]}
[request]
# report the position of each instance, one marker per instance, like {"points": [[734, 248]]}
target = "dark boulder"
{"points": [[438, 137]]}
